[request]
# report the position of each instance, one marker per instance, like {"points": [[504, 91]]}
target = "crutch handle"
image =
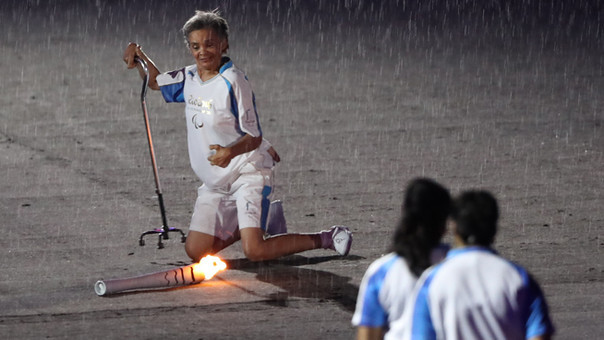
{"points": [[145, 70]]}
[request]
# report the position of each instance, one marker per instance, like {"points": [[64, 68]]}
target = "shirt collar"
{"points": [[458, 251], [226, 64]]}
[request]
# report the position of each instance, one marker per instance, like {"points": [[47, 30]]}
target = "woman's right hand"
{"points": [[134, 51], [130, 54]]}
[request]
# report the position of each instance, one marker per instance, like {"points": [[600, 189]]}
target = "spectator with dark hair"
{"points": [[475, 293], [390, 280]]}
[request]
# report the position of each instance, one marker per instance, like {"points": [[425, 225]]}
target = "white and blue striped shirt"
{"points": [[385, 287], [218, 111], [474, 294]]}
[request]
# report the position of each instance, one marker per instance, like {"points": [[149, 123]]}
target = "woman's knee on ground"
{"points": [[198, 245], [194, 252]]}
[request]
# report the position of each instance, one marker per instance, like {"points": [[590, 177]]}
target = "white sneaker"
{"points": [[341, 239]]}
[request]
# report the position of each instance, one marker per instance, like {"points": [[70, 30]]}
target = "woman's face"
{"points": [[207, 47]]}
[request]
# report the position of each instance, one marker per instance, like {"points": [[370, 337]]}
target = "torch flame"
{"points": [[209, 266]]}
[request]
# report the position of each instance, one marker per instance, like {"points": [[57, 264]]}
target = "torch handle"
{"points": [[169, 278]]}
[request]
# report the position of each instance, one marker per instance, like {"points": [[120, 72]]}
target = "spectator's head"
{"points": [[426, 206], [475, 214]]}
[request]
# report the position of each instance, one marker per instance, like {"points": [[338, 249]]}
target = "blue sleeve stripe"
{"points": [[373, 313], [173, 93], [421, 325], [538, 321], [536, 314]]}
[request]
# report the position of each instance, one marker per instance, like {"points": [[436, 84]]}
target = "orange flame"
{"points": [[209, 266]]}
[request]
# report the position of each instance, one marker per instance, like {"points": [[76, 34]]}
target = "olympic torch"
{"points": [[188, 275]]}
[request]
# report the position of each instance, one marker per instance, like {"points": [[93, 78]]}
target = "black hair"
{"points": [[475, 214], [424, 215]]}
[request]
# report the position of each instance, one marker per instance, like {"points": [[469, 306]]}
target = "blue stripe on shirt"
{"points": [[266, 191], [173, 93], [256, 112], [537, 318], [373, 313], [537, 321], [234, 106], [421, 325]]}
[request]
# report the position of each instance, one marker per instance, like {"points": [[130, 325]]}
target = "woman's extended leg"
{"points": [[257, 248]]}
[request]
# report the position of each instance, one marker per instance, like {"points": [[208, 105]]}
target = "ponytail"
{"points": [[425, 210]]}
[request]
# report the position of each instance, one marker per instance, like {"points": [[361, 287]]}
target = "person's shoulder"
{"points": [[231, 72], [448, 266], [382, 264], [522, 272], [484, 259], [191, 69], [175, 76], [495, 259]]}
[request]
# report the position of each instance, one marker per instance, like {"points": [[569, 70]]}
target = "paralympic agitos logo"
{"points": [[205, 106]]}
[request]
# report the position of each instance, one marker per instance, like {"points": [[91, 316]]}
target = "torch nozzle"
{"points": [[209, 266]]}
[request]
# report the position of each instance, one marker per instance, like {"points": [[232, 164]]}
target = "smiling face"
{"points": [[207, 47]]}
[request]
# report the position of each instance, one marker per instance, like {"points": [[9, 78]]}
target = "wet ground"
{"points": [[358, 98]]}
